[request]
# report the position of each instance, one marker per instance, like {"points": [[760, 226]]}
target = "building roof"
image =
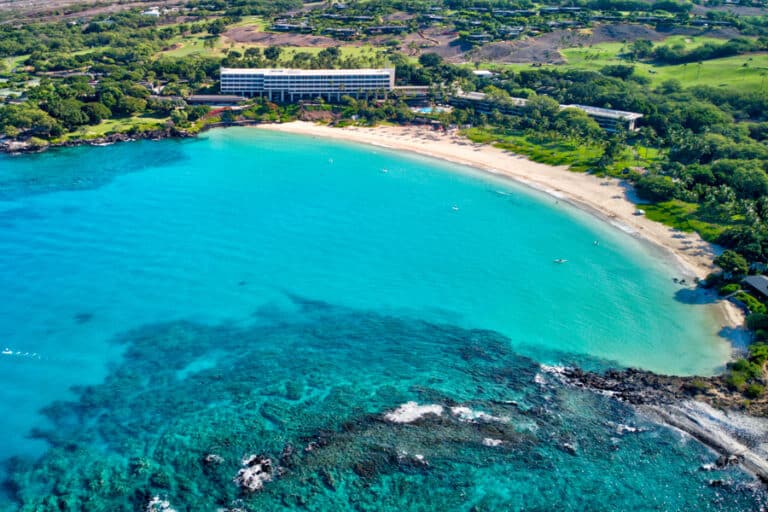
{"points": [[214, 98], [481, 96], [476, 96], [304, 72], [606, 112], [592, 111], [759, 283]]}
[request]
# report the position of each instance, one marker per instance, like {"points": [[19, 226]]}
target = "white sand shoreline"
{"points": [[605, 198]]}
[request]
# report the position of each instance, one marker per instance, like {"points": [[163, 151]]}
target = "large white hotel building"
{"points": [[294, 84]]}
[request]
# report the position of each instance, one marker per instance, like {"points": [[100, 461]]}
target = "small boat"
{"points": [[7, 352], [455, 208], [560, 260]]}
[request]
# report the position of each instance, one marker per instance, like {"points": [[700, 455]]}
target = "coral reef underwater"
{"points": [[321, 407]]}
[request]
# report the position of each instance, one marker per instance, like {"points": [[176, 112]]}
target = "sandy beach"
{"points": [[607, 198]]}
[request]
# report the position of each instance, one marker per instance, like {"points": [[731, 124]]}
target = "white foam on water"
{"points": [[470, 415], [412, 411], [253, 475], [552, 369], [159, 505]]}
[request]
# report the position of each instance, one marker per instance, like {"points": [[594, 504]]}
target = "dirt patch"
{"points": [[542, 49], [399, 16], [254, 36], [620, 33], [739, 10], [52, 10], [443, 42], [530, 50], [316, 116], [545, 48], [627, 32]]}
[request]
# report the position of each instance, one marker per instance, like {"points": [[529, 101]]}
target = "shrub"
{"points": [[754, 305], [749, 369], [656, 188], [754, 390], [37, 143], [758, 353], [729, 289], [736, 381], [757, 321], [697, 386], [732, 263], [618, 71]]}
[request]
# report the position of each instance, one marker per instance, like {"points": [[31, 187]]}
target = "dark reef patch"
{"points": [[82, 168], [296, 411]]}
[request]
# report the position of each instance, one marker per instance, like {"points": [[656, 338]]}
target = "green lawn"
{"points": [[12, 62], [603, 54], [115, 126], [683, 216], [194, 44], [255, 21], [578, 155], [747, 72], [186, 46], [742, 72], [366, 51]]}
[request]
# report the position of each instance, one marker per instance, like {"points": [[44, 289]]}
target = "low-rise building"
{"points": [[341, 33], [609, 120], [482, 73], [759, 284], [290, 27], [294, 84], [214, 99]]}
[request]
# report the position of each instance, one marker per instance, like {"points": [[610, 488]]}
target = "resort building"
{"points": [[293, 84], [609, 120], [481, 103]]}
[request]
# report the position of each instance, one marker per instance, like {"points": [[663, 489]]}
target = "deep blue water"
{"points": [[248, 291]]}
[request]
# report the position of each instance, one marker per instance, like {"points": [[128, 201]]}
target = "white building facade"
{"points": [[294, 84]]}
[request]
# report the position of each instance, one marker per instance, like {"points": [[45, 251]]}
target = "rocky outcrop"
{"points": [[19, 146], [636, 387], [703, 408], [256, 471], [640, 387]]}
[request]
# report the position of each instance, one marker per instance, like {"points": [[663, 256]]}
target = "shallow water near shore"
{"points": [[248, 291]]}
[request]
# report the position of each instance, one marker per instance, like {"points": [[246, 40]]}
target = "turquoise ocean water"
{"points": [[250, 292]]}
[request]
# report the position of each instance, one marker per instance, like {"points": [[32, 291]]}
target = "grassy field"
{"points": [[185, 46], [683, 216], [115, 126], [12, 62], [194, 44], [255, 21], [743, 72], [576, 154]]}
